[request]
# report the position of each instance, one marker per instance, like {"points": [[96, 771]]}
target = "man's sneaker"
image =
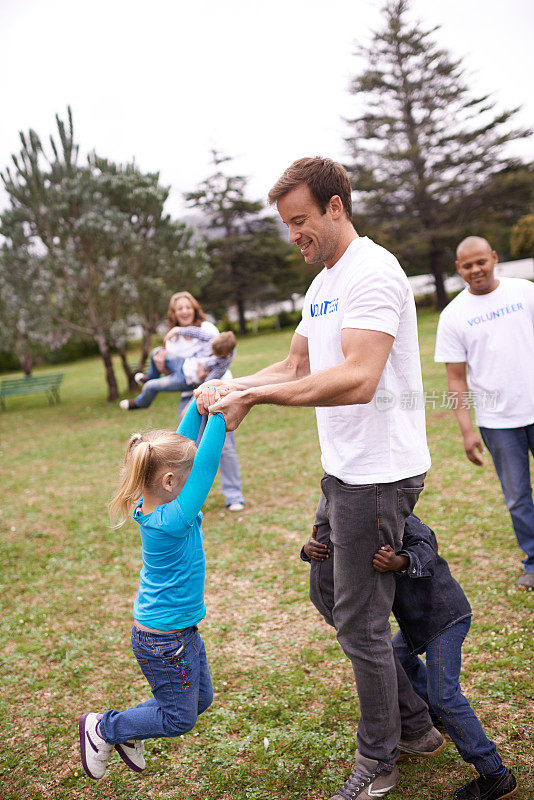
{"points": [[132, 754], [526, 580], [488, 787], [95, 752], [239, 506], [366, 781], [426, 746], [140, 378], [127, 405]]}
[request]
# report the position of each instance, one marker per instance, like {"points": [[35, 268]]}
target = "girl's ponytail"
{"points": [[145, 455], [134, 477]]}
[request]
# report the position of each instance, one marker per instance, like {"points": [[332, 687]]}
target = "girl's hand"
{"points": [[386, 560], [205, 395], [316, 550], [207, 398]]}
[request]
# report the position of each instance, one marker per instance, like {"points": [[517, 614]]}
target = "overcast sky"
{"points": [[266, 82]]}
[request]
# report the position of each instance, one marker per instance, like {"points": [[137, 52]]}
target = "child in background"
{"points": [[434, 616], [185, 374], [168, 480]]}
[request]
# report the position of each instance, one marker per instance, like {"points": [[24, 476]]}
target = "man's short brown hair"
{"points": [[323, 177], [223, 345]]}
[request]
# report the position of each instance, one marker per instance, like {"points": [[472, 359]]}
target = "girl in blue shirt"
{"points": [[166, 480]]}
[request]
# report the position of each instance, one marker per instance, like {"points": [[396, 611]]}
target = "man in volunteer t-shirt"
{"points": [[355, 357], [486, 339]]}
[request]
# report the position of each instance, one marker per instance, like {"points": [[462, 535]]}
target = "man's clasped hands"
{"points": [[224, 397]]}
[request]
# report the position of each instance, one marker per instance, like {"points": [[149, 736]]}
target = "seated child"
{"points": [[165, 481], [185, 373], [434, 616]]}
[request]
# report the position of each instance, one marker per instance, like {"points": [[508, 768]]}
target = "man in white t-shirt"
{"points": [[355, 357], [486, 339]]}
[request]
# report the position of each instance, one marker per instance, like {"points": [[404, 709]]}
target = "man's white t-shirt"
{"points": [[494, 335], [384, 440]]}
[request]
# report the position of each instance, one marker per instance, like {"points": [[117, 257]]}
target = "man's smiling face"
{"points": [[315, 234], [476, 262]]}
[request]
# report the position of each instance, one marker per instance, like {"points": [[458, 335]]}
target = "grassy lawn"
{"points": [[68, 583]]}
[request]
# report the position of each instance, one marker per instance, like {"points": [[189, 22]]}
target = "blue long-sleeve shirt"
{"points": [[171, 587]]}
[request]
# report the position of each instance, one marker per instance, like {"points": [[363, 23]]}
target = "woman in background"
{"points": [[185, 311]]}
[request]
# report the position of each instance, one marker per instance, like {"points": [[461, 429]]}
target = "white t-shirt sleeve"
{"points": [[449, 345], [529, 297], [302, 327], [376, 300]]}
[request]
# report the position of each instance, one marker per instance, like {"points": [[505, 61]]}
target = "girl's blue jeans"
{"points": [[155, 382], [176, 668], [438, 683]]}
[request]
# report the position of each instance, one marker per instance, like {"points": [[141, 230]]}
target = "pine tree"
{"points": [[245, 249], [422, 146]]}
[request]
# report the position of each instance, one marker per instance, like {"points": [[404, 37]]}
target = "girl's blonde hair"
{"points": [[146, 455], [171, 316]]}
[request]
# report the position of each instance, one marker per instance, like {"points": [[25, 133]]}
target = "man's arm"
{"points": [[457, 383], [294, 366], [353, 381]]}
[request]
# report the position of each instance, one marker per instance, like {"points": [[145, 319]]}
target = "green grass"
{"points": [[68, 583]]}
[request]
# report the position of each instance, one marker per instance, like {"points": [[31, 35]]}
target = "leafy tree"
{"points": [[162, 255], [111, 254], [423, 147], [501, 201], [25, 319], [246, 252], [522, 239]]}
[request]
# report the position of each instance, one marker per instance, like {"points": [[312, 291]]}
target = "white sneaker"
{"points": [[139, 378], [132, 754], [235, 506], [95, 752], [125, 405]]}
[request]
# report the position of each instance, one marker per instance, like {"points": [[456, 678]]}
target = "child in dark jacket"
{"points": [[434, 616]]}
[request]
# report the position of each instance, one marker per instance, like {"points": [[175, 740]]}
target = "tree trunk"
{"points": [[239, 301], [148, 331], [24, 355], [105, 353], [241, 315], [27, 365], [128, 371], [437, 271]]}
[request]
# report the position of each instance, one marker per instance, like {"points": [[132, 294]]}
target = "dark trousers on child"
{"points": [[438, 682]]}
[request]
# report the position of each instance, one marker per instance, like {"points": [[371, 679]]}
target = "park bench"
{"points": [[30, 384]]}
